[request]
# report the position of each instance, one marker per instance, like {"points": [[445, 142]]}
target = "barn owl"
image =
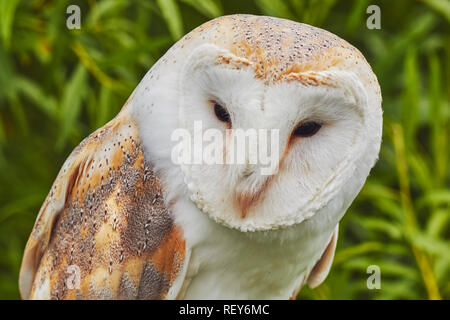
{"points": [[124, 221]]}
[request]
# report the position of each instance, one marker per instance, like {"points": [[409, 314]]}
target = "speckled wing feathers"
{"points": [[105, 218]]}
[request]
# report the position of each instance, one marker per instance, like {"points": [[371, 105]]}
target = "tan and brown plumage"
{"points": [[105, 214]]}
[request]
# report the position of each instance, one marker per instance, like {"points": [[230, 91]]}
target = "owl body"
{"points": [[137, 225], [242, 266]]}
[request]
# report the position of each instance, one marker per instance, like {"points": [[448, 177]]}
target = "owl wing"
{"points": [[322, 267], [104, 230]]}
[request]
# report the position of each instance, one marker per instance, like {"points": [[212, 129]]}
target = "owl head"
{"points": [[306, 101]]}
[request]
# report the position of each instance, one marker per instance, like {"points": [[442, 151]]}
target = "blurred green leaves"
{"points": [[59, 85], [209, 8], [172, 16], [7, 10], [441, 6]]}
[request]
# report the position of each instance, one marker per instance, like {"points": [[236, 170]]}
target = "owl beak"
{"points": [[250, 189], [248, 195], [249, 170]]}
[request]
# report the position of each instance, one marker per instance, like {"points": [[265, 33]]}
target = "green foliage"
{"points": [[58, 85]]}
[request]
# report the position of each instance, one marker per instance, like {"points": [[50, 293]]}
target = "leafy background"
{"points": [[58, 85]]}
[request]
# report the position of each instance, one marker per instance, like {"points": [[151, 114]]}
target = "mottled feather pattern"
{"points": [[113, 225], [280, 50]]}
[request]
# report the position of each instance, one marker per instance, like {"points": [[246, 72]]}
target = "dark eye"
{"points": [[307, 129], [221, 113]]}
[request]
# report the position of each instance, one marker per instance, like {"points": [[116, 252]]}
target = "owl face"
{"points": [[311, 95], [320, 130]]}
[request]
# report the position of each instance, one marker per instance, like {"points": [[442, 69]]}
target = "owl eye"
{"points": [[221, 113], [307, 129]]}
